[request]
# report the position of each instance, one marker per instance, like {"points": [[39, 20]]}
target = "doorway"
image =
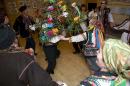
{"points": [[92, 6]]}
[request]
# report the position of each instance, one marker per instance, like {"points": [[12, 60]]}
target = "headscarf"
{"points": [[116, 55]]}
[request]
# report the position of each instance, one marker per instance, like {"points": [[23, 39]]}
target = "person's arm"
{"points": [[77, 38], [55, 39], [111, 20]]}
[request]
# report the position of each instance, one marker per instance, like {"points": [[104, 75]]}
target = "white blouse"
{"points": [[55, 39], [79, 38]]}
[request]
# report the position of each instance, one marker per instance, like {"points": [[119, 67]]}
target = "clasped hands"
{"points": [[64, 38]]}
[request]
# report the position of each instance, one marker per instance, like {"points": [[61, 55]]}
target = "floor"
{"points": [[71, 68]]}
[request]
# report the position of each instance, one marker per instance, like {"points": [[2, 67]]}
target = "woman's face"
{"points": [[6, 20], [100, 61], [83, 9]]}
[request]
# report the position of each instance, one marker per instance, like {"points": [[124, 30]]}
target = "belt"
{"points": [[48, 44]]}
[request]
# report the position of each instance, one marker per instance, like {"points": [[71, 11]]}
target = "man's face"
{"points": [[103, 4], [25, 12]]}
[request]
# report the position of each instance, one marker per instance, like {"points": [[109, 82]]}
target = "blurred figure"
{"points": [[105, 16], [79, 27], [84, 17], [38, 17], [19, 68], [22, 27], [39, 20]]}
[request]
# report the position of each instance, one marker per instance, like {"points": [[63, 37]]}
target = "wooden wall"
{"points": [[13, 5], [120, 11]]}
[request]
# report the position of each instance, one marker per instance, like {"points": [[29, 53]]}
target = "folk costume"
{"points": [[94, 41], [49, 36], [79, 26], [115, 56]]}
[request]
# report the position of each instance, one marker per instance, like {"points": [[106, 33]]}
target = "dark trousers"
{"points": [[91, 60], [51, 53], [78, 46], [30, 43]]}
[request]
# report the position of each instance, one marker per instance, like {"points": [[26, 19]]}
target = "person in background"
{"points": [[39, 20], [38, 16], [84, 13], [19, 68], [22, 27], [93, 41], [80, 28], [90, 14], [105, 16]]}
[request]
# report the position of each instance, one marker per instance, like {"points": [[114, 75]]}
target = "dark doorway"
{"points": [[92, 6]]}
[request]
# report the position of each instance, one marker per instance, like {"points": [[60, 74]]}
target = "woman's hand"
{"points": [[63, 38]]}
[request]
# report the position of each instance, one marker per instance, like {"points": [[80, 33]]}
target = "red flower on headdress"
{"points": [[50, 20]]}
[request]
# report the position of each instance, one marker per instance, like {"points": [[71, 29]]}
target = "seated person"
{"points": [[113, 59], [18, 67]]}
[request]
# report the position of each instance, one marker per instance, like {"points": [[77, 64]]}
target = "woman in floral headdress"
{"points": [[94, 41]]}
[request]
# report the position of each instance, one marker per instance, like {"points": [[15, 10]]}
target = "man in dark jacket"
{"points": [[21, 26], [17, 67]]}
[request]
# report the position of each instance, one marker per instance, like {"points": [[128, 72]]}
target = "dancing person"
{"points": [[105, 16]]}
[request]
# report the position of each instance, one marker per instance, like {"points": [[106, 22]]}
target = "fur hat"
{"points": [[22, 8]]}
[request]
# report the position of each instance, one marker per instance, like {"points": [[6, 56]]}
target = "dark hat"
{"points": [[22, 8], [7, 36]]}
